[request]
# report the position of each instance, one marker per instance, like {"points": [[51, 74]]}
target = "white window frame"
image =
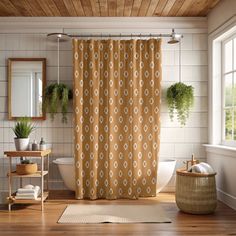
{"points": [[223, 74]]}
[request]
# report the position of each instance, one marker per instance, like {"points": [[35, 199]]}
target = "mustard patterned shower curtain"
{"points": [[116, 108]]}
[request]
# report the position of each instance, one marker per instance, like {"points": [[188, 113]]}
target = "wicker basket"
{"points": [[195, 193], [26, 169]]}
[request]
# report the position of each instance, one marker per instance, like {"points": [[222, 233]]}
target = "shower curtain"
{"points": [[116, 115]]}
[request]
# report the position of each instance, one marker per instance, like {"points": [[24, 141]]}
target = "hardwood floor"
{"points": [[28, 220]]}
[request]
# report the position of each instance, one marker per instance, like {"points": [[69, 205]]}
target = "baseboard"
{"points": [[226, 198], [168, 189]]}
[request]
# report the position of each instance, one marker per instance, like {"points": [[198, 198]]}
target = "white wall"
{"points": [[221, 22], [220, 14], [21, 38]]}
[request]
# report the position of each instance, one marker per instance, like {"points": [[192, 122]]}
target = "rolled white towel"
{"points": [[207, 167], [201, 168]]}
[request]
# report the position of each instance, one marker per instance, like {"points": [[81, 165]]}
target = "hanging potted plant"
{"points": [[180, 99], [57, 95]]}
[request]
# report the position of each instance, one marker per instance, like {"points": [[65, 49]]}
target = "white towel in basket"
{"points": [[201, 168]]}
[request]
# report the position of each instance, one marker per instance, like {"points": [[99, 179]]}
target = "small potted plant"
{"points": [[180, 99], [57, 96], [22, 130]]}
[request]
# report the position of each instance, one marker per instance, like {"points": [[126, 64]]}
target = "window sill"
{"points": [[221, 149]]}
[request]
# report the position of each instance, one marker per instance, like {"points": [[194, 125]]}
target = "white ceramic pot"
{"points": [[22, 144]]}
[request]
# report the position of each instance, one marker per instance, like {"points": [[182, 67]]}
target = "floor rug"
{"points": [[93, 214]]}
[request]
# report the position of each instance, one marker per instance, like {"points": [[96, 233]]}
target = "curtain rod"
{"points": [[118, 35], [174, 38]]}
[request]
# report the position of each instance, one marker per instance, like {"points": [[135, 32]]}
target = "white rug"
{"points": [[92, 214]]}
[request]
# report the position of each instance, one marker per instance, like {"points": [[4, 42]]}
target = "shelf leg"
{"points": [[48, 172], [42, 182], [9, 206], [9, 182]]}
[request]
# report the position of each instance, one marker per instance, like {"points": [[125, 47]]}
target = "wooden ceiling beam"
{"points": [[45, 7], [135, 8], [78, 7], [112, 6], [95, 7], [152, 6], [128, 7], [35, 8], [70, 7], [104, 8], [61, 7], [22, 7], [8, 8], [167, 8], [160, 6], [86, 4], [184, 8], [175, 8], [144, 7], [120, 7]]}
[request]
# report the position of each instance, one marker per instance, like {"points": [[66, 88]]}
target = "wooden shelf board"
{"points": [[35, 175], [27, 153], [30, 201]]}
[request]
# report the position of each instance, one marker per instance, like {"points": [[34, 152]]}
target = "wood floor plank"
{"points": [[27, 220]]}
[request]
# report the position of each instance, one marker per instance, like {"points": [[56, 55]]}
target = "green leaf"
{"points": [[180, 98], [23, 127], [56, 98]]}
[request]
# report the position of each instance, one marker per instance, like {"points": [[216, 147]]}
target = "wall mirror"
{"points": [[26, 83]]}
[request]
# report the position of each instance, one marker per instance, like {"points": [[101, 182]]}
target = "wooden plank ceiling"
{"points": [[106, 7]]}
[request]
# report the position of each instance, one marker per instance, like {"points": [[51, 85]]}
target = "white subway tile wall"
{"points": [[176, 142]]}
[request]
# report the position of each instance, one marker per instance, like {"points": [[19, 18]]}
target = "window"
{"points": [[229, 90]]}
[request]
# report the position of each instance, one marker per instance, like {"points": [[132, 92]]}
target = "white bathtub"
{"points": [[66, 168]]}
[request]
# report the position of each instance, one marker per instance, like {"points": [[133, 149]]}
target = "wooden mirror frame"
{"points": [[10, 60]]}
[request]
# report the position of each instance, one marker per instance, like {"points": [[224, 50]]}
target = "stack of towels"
{"points": [[28, 192], [202, 167]]}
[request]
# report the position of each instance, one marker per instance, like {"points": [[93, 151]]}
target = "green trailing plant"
{"points": [[23, 127], [26, 161], [55, 96], [180, 99]]}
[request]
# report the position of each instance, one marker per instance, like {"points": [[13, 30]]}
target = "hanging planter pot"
{"points": [[180, 99], [56, 98], [57, 95]]}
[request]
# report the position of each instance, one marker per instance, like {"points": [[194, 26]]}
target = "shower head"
{"points": [[175, 38], [61, 36]]}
